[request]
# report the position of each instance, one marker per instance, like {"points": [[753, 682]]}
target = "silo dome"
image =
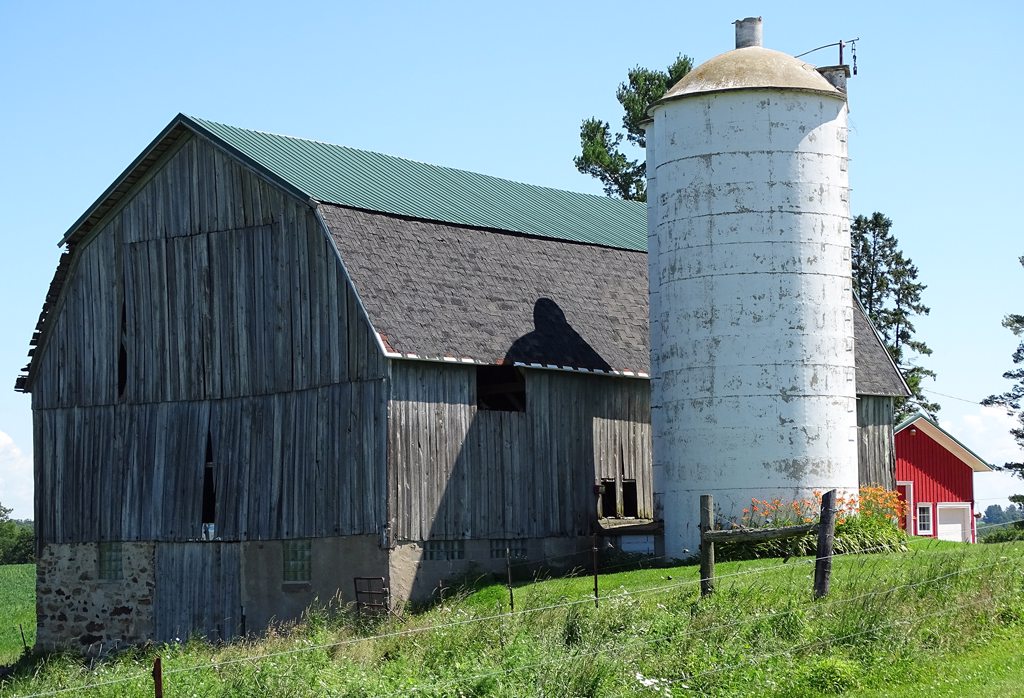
{"points": [[753, 391], [751, 68]]}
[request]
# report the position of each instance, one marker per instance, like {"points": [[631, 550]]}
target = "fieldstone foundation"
{"points": [[77, 610]]}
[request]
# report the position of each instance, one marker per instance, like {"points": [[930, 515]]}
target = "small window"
{"points": [[516, 548], [609, 499], [110, 560], [500, 388], [297, 561], [630, 510], [924, 519], [444, 550]]}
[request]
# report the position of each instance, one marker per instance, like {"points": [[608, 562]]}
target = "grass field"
{"points": [[17, 605], [941, 620]]}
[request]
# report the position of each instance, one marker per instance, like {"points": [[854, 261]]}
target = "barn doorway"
{"points": [[954, 522], [905, 493]]}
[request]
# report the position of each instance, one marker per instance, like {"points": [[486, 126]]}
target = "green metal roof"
{"points": [[376, 182]]}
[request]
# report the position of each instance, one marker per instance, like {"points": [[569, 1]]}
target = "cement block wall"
{"points": [[335, 562], [416, 579]]}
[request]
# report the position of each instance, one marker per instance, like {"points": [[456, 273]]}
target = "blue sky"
{"points": [[501, 89]]}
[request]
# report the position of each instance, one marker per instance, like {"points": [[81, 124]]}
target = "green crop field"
{"points": [[943, 619], [17, 606]]}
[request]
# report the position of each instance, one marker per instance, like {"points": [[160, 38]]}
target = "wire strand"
{"points": [[493, 617], [723, 626]]}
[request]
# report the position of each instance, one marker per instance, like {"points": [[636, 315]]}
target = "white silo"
{"points": [[749, 261]]}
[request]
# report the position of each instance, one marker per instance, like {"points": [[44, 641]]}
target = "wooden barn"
{"points": [[267, 366], [935, 477]]}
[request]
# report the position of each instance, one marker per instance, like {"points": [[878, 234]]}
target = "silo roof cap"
{"points": [[749, 68]]}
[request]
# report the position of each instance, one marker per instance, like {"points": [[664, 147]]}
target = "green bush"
{"points": [[869, 534], [864, 523], [855, 534]]}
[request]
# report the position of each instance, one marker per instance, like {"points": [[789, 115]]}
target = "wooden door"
{"points": [[197, 591], [901, 492]]}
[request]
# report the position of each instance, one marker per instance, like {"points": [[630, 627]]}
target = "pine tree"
{"points": [[1013, 398], [600, 155], [886, 282]]}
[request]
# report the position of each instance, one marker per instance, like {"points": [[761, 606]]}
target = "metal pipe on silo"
{"points": [[749, 32]]}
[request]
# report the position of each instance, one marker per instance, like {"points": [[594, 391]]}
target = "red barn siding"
{"points": [[938, 476]]}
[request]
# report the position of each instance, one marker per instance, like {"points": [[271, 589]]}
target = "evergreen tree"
{"points": [[1013, 398], [886, 282], [994, 514], [600, 154]]}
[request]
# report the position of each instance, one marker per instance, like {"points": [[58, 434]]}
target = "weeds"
{"points": [[759, 634]]}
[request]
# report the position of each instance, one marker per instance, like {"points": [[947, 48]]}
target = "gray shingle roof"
{"points": [[436, 290], [876, 374]]}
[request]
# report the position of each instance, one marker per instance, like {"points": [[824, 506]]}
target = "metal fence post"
{"points": [[508, 575], [158, 677], [707, 547]]}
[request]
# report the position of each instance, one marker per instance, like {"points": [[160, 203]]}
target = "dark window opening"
{"points": [[630, 510], [500, 388], [209, 491], [616, 494], [609, 504], [122, 371], [209, 496], [122, 356]]}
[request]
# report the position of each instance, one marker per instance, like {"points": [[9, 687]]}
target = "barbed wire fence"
{"points": [[764, 570], [749, 620]]}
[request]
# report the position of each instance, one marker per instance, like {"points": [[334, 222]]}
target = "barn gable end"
{"points": [[206, 369], [935, 472]]}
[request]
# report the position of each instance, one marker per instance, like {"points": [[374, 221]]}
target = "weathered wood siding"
{"points": [[198, 591], [227, 286], [236, 322], [296, 464], [875, 456], [459, 472]]}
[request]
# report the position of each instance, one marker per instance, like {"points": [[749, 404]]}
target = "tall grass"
{"points": [[17, 608], [759, 634]]}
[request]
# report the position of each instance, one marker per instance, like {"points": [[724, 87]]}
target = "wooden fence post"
{"points": [[707, 546], [593, 555], [158, 677], [826, 537]]}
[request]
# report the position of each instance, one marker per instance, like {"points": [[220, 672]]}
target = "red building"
{"points": [[935, 476]]}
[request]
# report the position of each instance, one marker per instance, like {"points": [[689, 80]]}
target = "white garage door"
{"points": [[953, 524]]}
